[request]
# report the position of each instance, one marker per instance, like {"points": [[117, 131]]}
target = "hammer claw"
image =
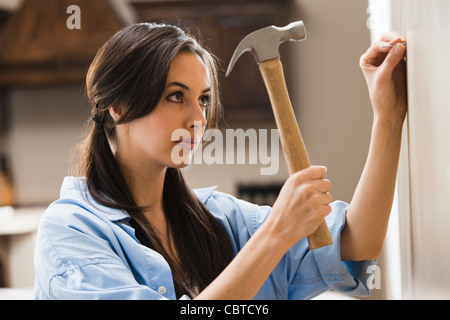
{"points": [[264, 43], [241, 48]]}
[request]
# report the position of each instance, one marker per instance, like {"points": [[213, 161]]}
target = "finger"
{"points": [[327, 198], [312, 173], [387, 46], [322, 201], [397, 40], [374, 56], [394, 56], [322, 185], [390, 36], [325, 210]]}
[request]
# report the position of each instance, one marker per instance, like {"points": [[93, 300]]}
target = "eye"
{"points": [[176, 97], [204, 100]]}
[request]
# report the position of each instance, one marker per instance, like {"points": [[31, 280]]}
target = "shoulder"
{"points": [[70, 230], [73, 224], [76, 204]]}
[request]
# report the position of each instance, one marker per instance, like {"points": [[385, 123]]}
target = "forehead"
{"points": [[189, 67]]}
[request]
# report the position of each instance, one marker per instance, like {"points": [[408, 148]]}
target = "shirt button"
{"points": [[162, 290]]}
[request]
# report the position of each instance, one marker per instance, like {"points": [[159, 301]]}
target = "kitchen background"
{"points": [[43, 114]]}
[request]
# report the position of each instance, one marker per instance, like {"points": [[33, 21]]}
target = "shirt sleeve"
{"points": [[330, 272], [302, 273]]}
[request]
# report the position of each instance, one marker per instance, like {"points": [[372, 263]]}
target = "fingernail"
{"points": [[397, 49]]}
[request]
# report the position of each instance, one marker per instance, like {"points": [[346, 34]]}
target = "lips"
{"points": [[187, 143]]}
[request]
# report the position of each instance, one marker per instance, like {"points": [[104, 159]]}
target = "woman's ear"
{"points": [[114, 113]]}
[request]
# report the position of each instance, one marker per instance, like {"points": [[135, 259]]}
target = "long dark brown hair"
{"points": [[130, 72]]}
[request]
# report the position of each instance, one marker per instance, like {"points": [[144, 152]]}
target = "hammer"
{"points": [[263, 44]]}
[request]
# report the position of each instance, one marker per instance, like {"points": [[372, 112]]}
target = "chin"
{"points": [[181, 158], [180, 166], [181, 163]]}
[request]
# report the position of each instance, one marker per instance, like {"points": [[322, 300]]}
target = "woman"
{"points": [[129, 226]]}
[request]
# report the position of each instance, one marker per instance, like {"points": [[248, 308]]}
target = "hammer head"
{"points": [[263, 43]]}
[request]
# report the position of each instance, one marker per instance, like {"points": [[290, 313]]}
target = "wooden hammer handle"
{"points": [[290, 136]]}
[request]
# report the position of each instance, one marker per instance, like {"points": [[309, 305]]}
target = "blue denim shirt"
{"points": [[87, 251]]}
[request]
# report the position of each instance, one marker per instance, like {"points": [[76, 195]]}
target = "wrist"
{"points": [[393, 124], [278, 235]]}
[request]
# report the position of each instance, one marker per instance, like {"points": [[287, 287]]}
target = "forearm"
{"points": [[300, 208], [249, 269], [368, 214]]}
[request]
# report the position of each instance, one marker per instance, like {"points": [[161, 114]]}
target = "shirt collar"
{"points": [[204, 194]]}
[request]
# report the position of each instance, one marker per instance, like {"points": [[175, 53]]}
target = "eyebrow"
{"points": [[185, 87]]}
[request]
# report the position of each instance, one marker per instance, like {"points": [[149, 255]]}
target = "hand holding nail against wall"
{"points": [[384, 68]]}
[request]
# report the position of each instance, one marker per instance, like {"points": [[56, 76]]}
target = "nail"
{"points": [[390, 45]]}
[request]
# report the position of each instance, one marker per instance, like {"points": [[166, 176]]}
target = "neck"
{"points": [[148, 191], [146, 183]]}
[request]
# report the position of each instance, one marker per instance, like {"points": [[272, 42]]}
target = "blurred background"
{"points": [[45, 52]]}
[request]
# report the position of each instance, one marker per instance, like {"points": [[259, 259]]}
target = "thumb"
{"points": [[394, 56]]}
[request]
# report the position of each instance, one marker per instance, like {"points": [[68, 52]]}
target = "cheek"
{"points": [[158, 133], [147, 134]]}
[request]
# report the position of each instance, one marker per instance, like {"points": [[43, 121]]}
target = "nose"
{"points": [[198, 118]]}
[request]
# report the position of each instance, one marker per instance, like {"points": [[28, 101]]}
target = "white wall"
{"points": [[427, 31], [418, 238]]}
